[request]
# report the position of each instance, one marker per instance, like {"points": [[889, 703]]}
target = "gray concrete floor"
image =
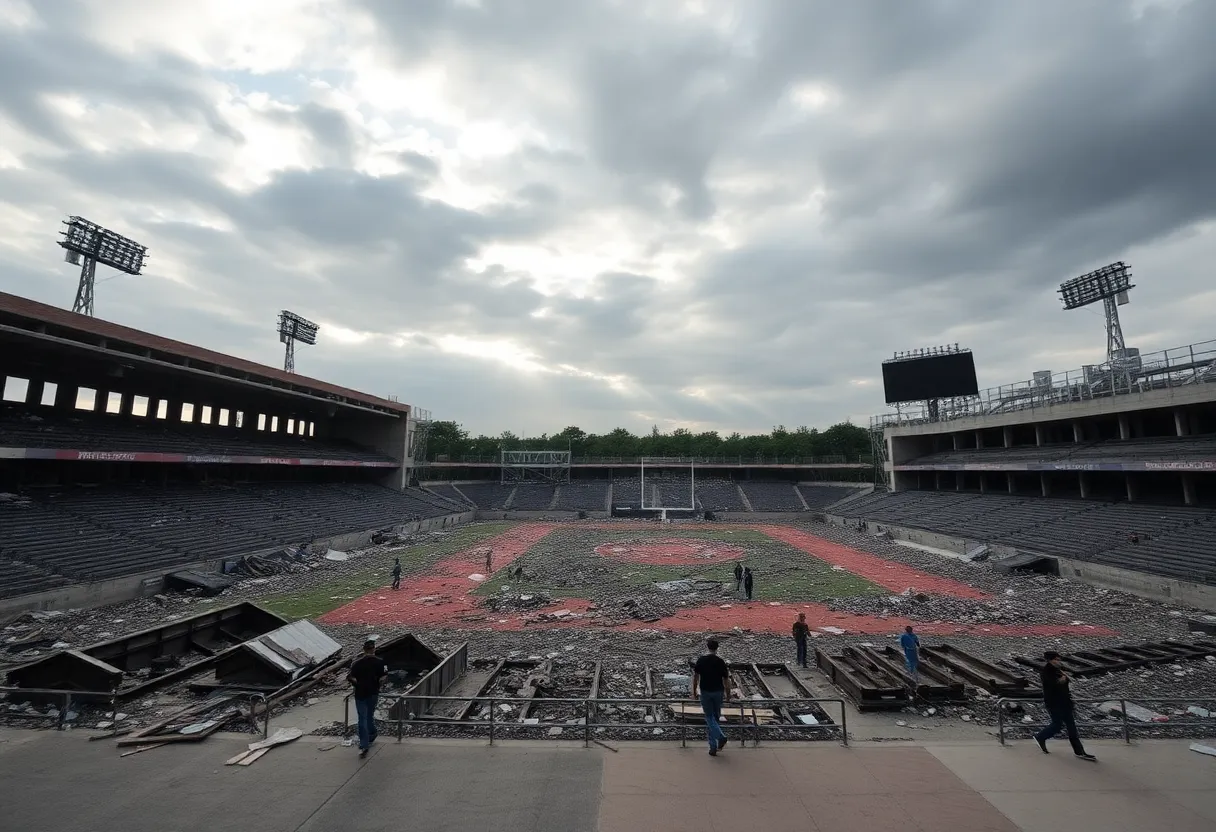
{"points": [[56, 782]]}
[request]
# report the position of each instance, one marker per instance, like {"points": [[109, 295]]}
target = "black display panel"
{"points": [[929, 377]]}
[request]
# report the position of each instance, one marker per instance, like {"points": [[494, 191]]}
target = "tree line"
{"points": [[451, 440]]}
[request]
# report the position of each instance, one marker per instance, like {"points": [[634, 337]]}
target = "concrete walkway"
{"points": [[59, 781]]}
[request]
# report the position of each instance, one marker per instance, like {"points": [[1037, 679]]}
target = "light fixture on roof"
{"points": [[293, 328], [87, 244], [1110, 285]]}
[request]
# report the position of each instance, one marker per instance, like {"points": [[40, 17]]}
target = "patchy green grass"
{"points": [[566, 566], [371, 573]]}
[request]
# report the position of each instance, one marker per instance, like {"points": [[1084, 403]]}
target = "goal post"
{"points": [[669, 483]]}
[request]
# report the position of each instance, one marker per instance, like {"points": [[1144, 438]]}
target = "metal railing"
{"points": [[68, 696], [1176, 367], [1126, 725], [752, 459], [590, 720]]}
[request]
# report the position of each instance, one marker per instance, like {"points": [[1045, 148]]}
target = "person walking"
{"points": [[1058, 700], [366, 674], [747, 582], [910, 642], [489, 561], [801, 633], [738, 577], [396, 573], [711, 676]]}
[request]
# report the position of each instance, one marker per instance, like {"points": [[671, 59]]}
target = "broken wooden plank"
{"points": [[141, 749]]}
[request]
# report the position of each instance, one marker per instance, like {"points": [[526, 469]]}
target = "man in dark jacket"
{"points": [[801, 633], [366, 674], [1058, 700], [738, 577], [747, 582]]}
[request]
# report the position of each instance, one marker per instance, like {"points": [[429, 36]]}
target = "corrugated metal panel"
{"points": [[295, 647]]}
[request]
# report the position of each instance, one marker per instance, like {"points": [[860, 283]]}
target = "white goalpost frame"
{"points": [[670, 463]]}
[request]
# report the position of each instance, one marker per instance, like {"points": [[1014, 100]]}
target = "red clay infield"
{"points": [[443, 597]]}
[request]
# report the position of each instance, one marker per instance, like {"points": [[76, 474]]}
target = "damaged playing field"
{"points": [[645, 575]]}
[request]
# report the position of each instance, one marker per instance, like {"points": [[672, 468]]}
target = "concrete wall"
{"points": [[386, 434], [554, 514], [130, 587], [1155, 587]]}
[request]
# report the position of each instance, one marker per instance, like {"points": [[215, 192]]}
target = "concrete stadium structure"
{"points": [[1113, 475]]}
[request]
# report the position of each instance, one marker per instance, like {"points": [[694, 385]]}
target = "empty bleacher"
{"points": [[18, 578], [582, 496], [450, 492], [488, 495], [93, 534], [821, 496], [719, 495], [532, 497], [1176, 541], [772, 496]]}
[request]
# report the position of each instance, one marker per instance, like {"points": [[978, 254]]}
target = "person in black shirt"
{"points": [[1058, 700], [397, 573], [747, 582], [801, 633], [738, 577], [366, 674], [711, 676]]}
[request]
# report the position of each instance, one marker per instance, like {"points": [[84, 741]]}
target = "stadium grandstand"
{"points": [[125, 455], [1110, 473]]}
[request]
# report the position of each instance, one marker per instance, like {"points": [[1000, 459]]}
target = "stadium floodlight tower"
{"points": [[1110, 285], [86, 244], [293, 328]]}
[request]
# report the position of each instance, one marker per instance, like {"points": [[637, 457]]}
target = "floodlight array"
{"points": [[293, 327], [1106, 282], [103, 246], [928, 352]]}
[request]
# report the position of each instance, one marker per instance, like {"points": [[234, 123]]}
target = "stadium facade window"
{"points": [[139, 406], [261, 421], [240, 419], [205, 415], [50, 390], [291, 426], [274, 424], [113, 402], [86, 398], [222, 419], [302, 427], [187, 412], [15, 389], [312, 428], [162, 409]]}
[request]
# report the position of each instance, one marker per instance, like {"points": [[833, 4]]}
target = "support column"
{"points": [[958, 480], [1078, 433], [1007, 435], [128, 401], [979, 439], [1125, 427], [1010, 482], [1044, 484], [1188, 490], [957, 444], [1180, 422], [33, 393], [1038, 435], [983, 483], [1083, 477], [1133, 487]]}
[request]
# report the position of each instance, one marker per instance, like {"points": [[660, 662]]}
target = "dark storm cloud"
{"points": [[966, 158]]}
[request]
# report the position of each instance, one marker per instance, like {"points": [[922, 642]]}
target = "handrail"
{"points": [[1128, 727], [591, 710]]}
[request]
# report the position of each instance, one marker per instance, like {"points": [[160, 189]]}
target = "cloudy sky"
{"points": [[711, 214]]}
